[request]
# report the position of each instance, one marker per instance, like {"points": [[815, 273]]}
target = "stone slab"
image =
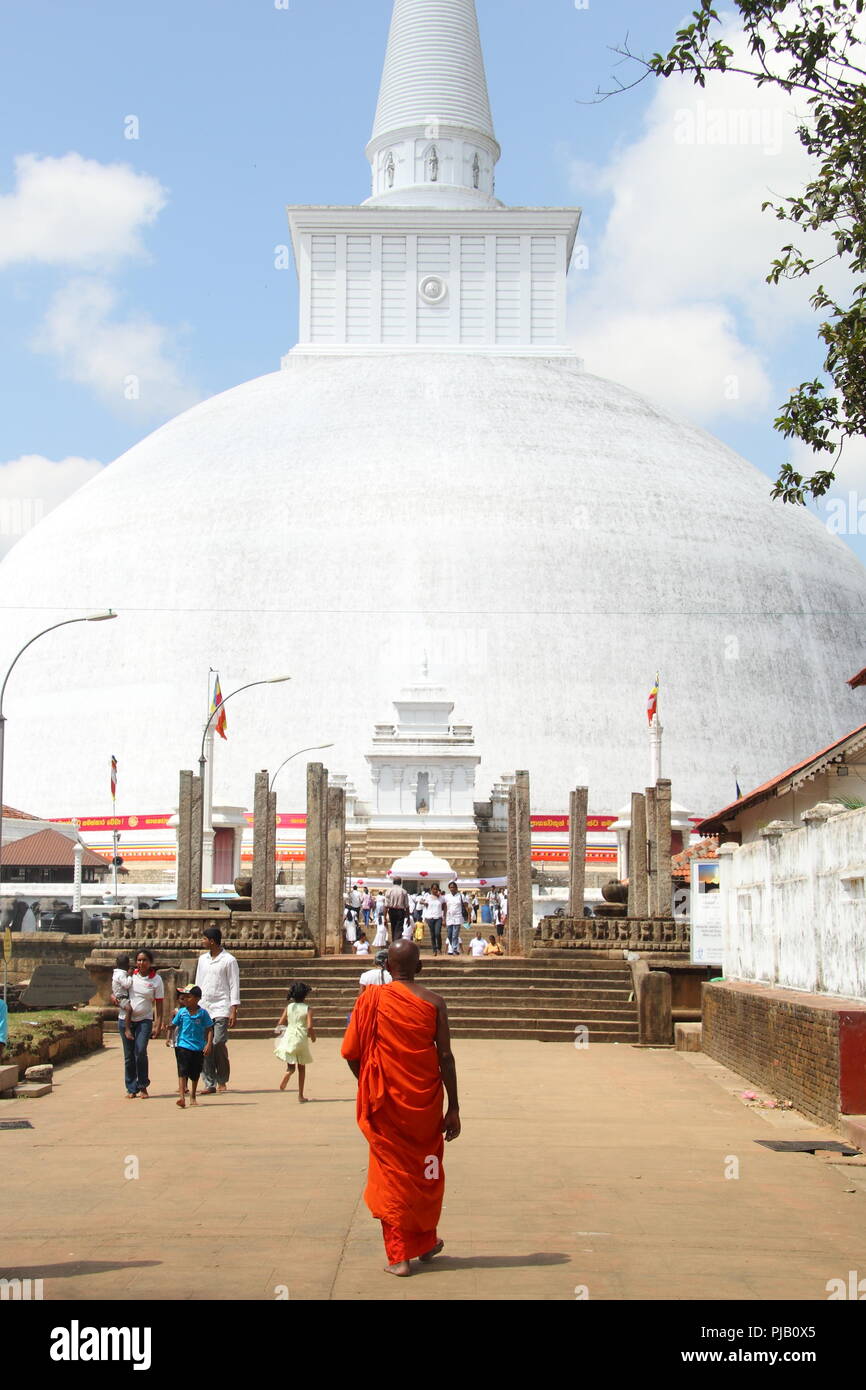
{"points": [[29, 1090], [687, 1037], [57, 987], [8, 1078]]}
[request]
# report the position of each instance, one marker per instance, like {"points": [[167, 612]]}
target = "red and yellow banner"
{"points": [[559, 825], [117, 822]]}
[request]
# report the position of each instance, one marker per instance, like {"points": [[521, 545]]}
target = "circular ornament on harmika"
{"points": [[433, 289]]}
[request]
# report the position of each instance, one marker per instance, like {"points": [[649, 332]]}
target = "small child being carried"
{"points": [[294, 1046]]}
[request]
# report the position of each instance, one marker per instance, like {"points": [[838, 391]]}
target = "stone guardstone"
{"points": [[8, 1079], [57, 987], [43, 1072], [29, 1090], [687, 1037]]}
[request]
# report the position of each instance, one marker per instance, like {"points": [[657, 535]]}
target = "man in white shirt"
{"points": [[478, 946], [218, 978], [455, 915]]}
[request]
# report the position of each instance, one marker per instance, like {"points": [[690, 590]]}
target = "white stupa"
{"points": [[432, 469]]}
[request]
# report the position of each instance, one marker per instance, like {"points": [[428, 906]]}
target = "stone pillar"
{"points": [[652, 850], [524, 863], [577, 809], [189, 843], [315, 870], [663, 882], [336, 859], [272, 850], [313, 852], [511, 869], [264, 841], [637, 872]]}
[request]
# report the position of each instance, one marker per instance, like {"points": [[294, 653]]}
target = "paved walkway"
{"points": [[602, 1169]]}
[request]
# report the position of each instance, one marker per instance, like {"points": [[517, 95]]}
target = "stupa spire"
{"points": [[433, 141]]}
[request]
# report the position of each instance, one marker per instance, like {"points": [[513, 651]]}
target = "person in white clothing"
{"points": [[362, 945], [478, 946], [146, 995], [456, 913], [379, 976], [218, 977]]}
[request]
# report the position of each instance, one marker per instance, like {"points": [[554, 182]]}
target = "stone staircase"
{"points": [[542, 1000]]}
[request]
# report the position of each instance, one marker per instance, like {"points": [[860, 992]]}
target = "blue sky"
{"points": [[243, 107]]}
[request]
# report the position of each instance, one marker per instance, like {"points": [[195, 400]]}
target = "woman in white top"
{"points": [[433, 917], [146, 994]]}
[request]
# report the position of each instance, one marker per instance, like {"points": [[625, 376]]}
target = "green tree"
{"points": [[802, 46]]}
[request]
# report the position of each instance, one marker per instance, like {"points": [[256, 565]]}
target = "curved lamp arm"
{"points": [[316, 748], [91, 618]]}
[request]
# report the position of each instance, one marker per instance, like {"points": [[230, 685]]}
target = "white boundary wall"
{"points": [[794, 905]]}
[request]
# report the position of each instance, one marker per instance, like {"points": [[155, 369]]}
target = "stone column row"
{"points": [[325, 857], [650, 883]]}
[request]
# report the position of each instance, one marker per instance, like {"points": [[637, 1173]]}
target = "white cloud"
{"points": [[128, 362], [30, 486], [677, 299], [688, 358], [76, 211]]}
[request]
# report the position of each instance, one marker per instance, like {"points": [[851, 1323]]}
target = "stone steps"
{"points": [[511, 998]]}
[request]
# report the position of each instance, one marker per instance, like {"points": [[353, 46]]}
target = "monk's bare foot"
{"points": [[401, 1269], [285, 1081], [194, 1102], [431, 1254], [305, 1100], [221, 1090], [181, 1102]]}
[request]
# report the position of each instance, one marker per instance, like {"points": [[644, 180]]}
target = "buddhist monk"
{"points": [[398, 1045]]}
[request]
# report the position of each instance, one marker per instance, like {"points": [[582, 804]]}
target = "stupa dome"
{"points": [[550, 539]]}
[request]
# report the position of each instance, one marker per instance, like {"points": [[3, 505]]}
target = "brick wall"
{"points": [[805, 1048]]}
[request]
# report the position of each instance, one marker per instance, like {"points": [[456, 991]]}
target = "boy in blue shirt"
{"points": [[191, 1034]]}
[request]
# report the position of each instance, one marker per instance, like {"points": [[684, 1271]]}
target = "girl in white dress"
{"points": [[381, 937], [294, 1046]]}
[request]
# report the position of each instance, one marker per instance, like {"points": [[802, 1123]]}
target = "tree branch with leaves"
{"points": [[817, 49]]}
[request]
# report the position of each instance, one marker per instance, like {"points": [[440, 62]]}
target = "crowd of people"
{"points": [[398, 915]]}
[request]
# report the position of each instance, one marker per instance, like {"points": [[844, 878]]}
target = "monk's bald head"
{"points": [[404, 960]]}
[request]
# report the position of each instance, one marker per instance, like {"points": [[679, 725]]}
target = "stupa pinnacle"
{"points": [[433, 142]]}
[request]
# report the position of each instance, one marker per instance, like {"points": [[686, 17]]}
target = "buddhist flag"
{"points": [[652, 704], [221, 723], [113, 778]]}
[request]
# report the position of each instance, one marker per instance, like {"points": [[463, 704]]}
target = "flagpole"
{"points": [[207, 793], [114, 828]]}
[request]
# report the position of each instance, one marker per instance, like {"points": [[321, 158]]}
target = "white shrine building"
{"points": [[422, 772]]}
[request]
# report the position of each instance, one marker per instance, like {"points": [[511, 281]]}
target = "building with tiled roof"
{"points": [[47, 856], [836, 774]]}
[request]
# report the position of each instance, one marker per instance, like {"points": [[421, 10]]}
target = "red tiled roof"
{"points": [[762, 793], [859, 679], [48, 849], [9, 813], [704, 849]]}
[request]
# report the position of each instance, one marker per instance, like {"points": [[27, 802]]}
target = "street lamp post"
{"points": [[316, 748], [202, 761], [67, 622]]}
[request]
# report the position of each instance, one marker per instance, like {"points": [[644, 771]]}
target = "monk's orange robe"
{"points": [[392, 1033]]}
